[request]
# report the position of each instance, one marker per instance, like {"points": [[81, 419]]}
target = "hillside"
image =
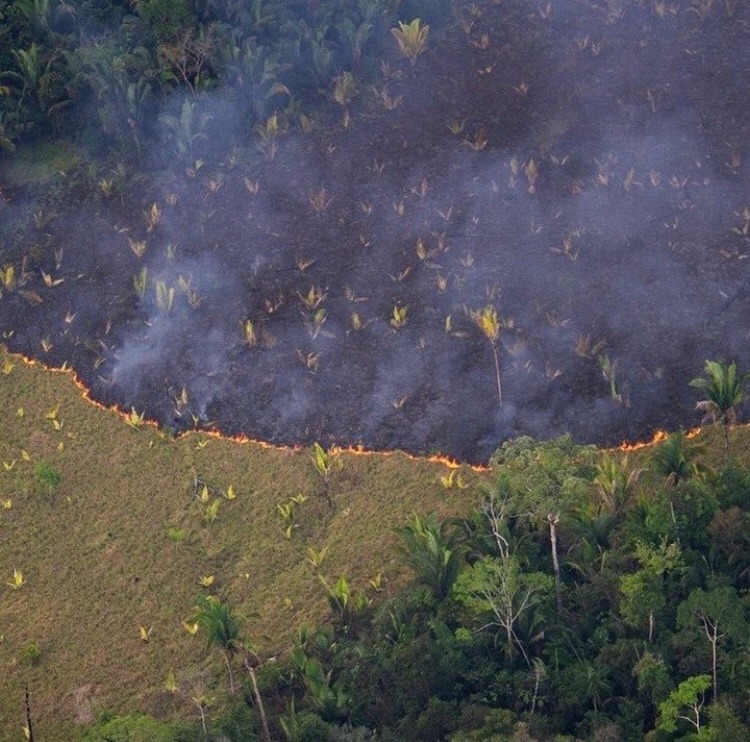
{"points": [[322, 324], [120, 543]]}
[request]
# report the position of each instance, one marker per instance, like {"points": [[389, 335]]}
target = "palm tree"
{"points": [[431, 553], [491, 325], [724, 388], [589, 680], [676, 459], [222, 627], [35, 13], [615, 485]]}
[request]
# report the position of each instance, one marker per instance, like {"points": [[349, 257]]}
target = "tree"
{"points": [[491, 325], [590, 680], [33, 13], [39, 79], [653, 677], [186, 129], [222, 627], [676, 459], [719, 613], [431, 553], [615, 485], [548, 480], [643, 591], [189, 55], [166, 19], [500, 588], [684, 703], [255, 72], [123, 83], [724, 388], [730, 537], [250, 654], [725, 725]]}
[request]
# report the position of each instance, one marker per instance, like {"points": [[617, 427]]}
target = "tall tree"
{"points": [[724, 388], [432, 553], [222, 627], [643, 592], [550, 481], [500, 589], [685, 703], [718, 614]]}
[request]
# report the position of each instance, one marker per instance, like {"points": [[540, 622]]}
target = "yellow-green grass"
{"points": [[99, 560]]}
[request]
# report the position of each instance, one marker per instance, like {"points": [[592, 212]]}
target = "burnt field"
{"points": [[575, 171]]}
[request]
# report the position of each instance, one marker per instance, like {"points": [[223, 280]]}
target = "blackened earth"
{"points": [[584, 172]]}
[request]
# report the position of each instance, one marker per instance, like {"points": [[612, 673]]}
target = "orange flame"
{"points": [[357, 450], [442, 459], [658, 437], [241, 439], [85, 391]]}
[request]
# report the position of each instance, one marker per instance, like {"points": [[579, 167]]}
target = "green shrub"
{"points": [[130, 728], [176, 534], [166, 19], [47, 475], [31, 654]]}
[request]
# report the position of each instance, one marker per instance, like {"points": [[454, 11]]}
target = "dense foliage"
{"points": [[126, 74], [583, 598]]}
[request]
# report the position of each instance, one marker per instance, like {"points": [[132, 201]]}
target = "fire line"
{"points": [[659, 436]]}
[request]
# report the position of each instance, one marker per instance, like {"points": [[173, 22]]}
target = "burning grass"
{"points": [[224, 295]]}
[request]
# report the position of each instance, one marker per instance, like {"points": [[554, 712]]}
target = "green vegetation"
{"points": [[102, 70], [724, 388], [47, 476], [564, 591], [31, 654]]}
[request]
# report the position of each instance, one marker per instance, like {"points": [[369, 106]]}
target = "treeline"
{"points": [[125, 74], [585, 597]]}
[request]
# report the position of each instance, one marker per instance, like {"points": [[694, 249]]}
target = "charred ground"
{"points": [[581, 168]]}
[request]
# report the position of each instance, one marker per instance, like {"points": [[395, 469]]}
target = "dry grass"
{"points": [[99, 560]]}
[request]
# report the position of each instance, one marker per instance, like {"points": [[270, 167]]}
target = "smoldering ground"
{"points": [[577, 173]]}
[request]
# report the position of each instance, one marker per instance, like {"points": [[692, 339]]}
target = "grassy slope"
{"points": [[99, 563]]}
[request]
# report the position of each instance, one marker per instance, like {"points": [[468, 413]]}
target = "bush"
{"points": [[236, 722], [130, 728], [47, 475], [309, 727], [31, 654], [166, 19], [176, 534]]}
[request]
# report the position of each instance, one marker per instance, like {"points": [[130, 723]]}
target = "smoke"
{"points": [[567, 174]]}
